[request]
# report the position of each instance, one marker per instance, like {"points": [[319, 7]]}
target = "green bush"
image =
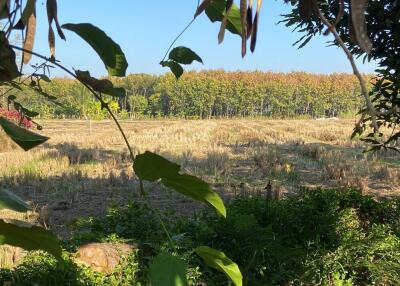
{"points": [[333, 237], [40, 268], [319, 237]]}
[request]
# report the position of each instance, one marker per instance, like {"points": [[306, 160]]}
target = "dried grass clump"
{"points": [[5, 143]]}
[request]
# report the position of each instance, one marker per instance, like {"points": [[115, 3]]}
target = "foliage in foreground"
{"points": [[321, 237], [317, 238]]}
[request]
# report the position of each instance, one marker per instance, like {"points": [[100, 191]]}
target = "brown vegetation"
{"points": [[85, 168]]}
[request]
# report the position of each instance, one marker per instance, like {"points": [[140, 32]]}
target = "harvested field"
{"points": [[85, 168]]}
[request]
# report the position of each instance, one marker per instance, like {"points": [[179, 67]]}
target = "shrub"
{"points": [[319, 237], [331, 237]]}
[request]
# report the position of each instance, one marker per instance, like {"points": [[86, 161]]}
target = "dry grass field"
{"points": [[84, 168]]}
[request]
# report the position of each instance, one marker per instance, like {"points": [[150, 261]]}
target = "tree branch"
{"points": [[364, 90]]}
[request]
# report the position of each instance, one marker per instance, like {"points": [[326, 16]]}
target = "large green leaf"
{"points": [[176, 68], [167, 270], [218, 260], [11, 201], [153, 167], [196, 189], [184, 55], [216, 11], [24, 138], [109, 51], [30, 238]]}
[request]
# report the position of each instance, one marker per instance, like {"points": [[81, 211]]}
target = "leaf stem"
{"points": [[97, 96], [179, 35], [156, 212]]}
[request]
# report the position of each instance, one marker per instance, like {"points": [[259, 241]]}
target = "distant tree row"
{"points": [[207, 94]]}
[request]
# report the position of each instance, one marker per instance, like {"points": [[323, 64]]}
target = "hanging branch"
{"points": [[364, 90]]}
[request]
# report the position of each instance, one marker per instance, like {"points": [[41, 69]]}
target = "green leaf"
{"points": [[115, 91], [109, 51], [176, 68], [100, 85], [30, 238], [25, 111], [24, 138], [47, 96], [184, 56], [44, 77], [218, 260], [3, 9], [8, 67], [167, 270], [196, 189], [152, 167], [29, 113], [216, 11], [10, 201]]}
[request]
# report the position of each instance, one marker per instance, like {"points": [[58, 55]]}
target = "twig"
{"points": [[156, 212], [177, 38], [180, 34], [97, 96], [24, 80]]}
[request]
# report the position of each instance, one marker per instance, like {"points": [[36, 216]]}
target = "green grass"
{"points": [[320, 237]]}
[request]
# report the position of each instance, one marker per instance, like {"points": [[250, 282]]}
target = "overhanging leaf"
{"points": [[115, 91], [30, 238], [8, 67], [4, 9], [176, 68], [216, 11], [219, 261], [109, 51], [184, 55], [100, 85], [196, 189], [11, 201], [44, 77], [25, 111], [24, 138], [153, 167], [167, 270]]}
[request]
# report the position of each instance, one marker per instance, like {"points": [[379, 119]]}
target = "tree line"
{"points": [[205, 94]]}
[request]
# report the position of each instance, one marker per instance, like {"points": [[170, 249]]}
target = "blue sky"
{"points": [[145, 29]]}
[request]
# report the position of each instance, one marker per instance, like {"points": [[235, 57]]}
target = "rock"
{"points": [[11, 256], [102, 257]]}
